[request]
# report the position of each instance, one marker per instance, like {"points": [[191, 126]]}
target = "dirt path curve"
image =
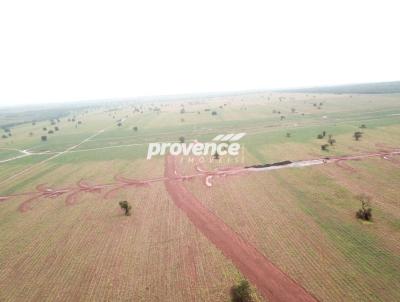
{"points": [[273, 284]]}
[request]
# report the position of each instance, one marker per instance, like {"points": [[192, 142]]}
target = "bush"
{"points": [[126, 207], [241, 292], [324, 147], [357, 135], [365, 213]]}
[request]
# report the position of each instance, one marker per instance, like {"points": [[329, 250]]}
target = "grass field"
{"points": [[82, 248]]}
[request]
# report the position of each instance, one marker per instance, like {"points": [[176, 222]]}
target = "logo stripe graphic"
{"points": [[237, 137], [218, 137], [227, 137]]}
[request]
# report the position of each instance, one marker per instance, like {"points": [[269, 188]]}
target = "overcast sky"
{"points": [[53, 51]]}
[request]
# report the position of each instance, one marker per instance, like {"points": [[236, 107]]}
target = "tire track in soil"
{"points": [[272, 283]]}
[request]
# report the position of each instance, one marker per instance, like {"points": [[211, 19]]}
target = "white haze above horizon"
{"points": [[58, 51]]}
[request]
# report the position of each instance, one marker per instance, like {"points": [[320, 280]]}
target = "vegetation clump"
{"points": [[325, 147], [357, 135], [241, 292], [126, 207], [365, 212]]}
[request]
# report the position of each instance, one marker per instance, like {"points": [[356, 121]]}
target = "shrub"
{"points": [[365, 213], [357, 135], [126, 207], [241, 292]]}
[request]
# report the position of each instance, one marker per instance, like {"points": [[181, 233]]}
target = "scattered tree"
{"points": [[331, 140], [50, 132], [320, 136], [357, 135], [44, 129], [56, 128], [126, 207], [4, 136], [288, 134], [324, 147], [365, 213], [214, 113], [241, 292], [135, 128], [181, 139], [363, 126], [216, 155], [43, 138]]}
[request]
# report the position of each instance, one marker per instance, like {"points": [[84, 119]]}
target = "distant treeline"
{"points": [[369, 88], [12, 117]]}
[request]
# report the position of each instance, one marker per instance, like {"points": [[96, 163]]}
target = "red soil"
{"points": [[273, 284]]}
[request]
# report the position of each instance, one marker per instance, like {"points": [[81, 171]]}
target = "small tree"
{"points": [[214, 113], [181, 139], [363, 126], [357, 135], [4, 136], [241, 292], [320, 136], [324, 147], [56, 128], [288, 134], [216, 155], [135, 128], [331, 140], [126, 207], [365, 213], [43, 138]]}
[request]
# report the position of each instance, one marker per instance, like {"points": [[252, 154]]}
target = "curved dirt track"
{"points": [[273, 284]]}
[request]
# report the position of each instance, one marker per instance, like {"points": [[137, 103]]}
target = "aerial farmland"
{"points": [[307, 210]]}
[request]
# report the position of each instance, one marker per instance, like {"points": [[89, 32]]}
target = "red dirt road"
{"points": [[273, 284]]}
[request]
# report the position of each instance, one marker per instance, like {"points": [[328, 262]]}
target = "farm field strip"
{"points": [[82, 186]]}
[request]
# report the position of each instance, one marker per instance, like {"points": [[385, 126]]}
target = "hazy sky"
{"points": [[52, 51]]}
